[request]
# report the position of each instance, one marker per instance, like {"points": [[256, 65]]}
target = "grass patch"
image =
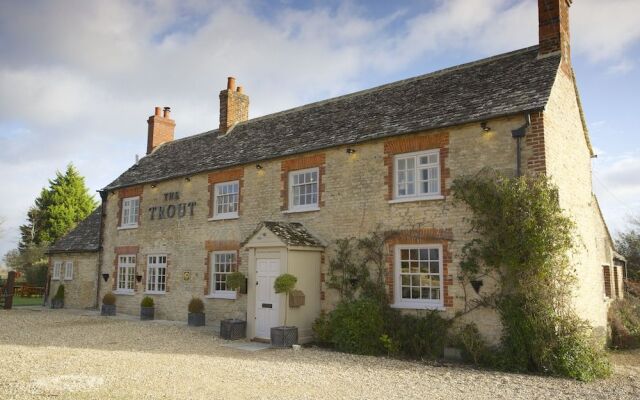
{"points": [[27, 301]]}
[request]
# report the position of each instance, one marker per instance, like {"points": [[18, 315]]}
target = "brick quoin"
{"points": [[534, 140], [412, 144], [607, 280], [424, 236], [236, 174], [295, 164]]}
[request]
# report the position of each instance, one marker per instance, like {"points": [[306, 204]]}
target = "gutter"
{"points": [[103, 197], [518, 134]]}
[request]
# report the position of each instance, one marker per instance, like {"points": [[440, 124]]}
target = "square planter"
{"points": [[196, 319], [284, 336], [232, 329], [147, 313], [57, 303], [108, 310]]}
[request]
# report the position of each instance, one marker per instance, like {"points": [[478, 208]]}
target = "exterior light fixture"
{"points": [[105, 277], [350, 150], [258, 166], [188, 179], [139, 278], [153, 185], [485, 127]]}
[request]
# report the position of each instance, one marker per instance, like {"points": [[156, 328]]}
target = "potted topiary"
{"points": [[232, 329], [108, 305], [284, 336], [58, 300], [196, 312], [147, 310]]}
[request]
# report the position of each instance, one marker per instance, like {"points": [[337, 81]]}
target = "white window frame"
{"points": [[57, 269], [399, 302], [68, 270], [126, 220], [221, 294], [154, 266], [227, 215], [417, 181], [305, 207], [126, 273]]}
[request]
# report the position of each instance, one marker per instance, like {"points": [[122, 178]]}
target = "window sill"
{"points": [[419, 306], [123, 293], [412, 199], [68, 279], [223, 217], [222, 295], [155, 292], [55, 279], [122, 228], [301, 210]]}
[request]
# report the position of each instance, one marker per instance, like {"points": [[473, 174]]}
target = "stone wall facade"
{"points": [[80, 290]]}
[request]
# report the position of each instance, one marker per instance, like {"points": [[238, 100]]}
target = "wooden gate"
{"points": [[6, 292]]}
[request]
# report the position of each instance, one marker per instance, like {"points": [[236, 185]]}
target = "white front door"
{"points": [[267, 301]]}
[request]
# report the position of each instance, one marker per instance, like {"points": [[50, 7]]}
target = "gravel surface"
{"points": [[70, 354]]}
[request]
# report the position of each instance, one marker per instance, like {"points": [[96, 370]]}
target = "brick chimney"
{"points": [[553, 28], [234, 106], [161, 128]]}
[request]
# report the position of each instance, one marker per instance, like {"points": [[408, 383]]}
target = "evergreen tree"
{"points": [[628, 245]]}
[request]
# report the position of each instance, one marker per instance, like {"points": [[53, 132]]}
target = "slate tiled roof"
{"points": [[85, 236], [291, 233], [507, 84]]}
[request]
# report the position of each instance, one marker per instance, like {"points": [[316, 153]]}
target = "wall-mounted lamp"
{"points": [[188, 179], [105, 277], [139, 278], [258, 166], [113, 192], [476, 284], [485, 127], [153, 185], [350, 150]]}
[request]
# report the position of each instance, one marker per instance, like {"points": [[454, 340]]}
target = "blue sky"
{"points": [[79, 78]]}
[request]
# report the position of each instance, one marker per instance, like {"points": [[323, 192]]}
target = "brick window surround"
{"points": [[236, 174], [298, 163], [119, 251], [134, 191], [425, 236], [606, 272], [411, 144], [615, 282], [218, 245], [534, 141]]}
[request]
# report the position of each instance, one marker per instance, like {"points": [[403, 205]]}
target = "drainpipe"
{"points": [[103, 197], [518, 134]]}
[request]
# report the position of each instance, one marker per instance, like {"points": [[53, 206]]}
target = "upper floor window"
{"points": [[55, 274], [156, 273], [225, 200], [303, 189], [68, 271], [222, 264], [417, 175], [418, 276], [126, 273], [130, 212]]}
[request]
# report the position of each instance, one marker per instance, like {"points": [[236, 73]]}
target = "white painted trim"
{"points": [[223, 294], [417, 198], [214, 201], [122, 228], [222, 217], [124, 292], [397, 284], [122, 208], [300, 210], [306, 207], [154, 292]]}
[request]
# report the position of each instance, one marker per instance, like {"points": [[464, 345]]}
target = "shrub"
{"points": [[420, 337], [109, 299], [196, 306], [356, 327], [322, 330], [474, 348], [147, 302], [624, 319], [285, 283], [236, 280], [59, 293]]}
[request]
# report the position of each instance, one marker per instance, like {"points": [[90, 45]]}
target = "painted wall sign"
{"points": [[172, 210]]}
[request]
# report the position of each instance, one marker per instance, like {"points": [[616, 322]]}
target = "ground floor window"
{"points": [[55, 274], [126, 273], [156, 273], [68, 271], [222, 264], [418, 276]]}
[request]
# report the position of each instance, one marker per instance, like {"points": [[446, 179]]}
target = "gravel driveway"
{"points": [[70, 354]]}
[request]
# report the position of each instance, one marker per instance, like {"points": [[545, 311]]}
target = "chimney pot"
{"points": [[167, 112], [158, 111], [231, 83], [239, 90]]}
